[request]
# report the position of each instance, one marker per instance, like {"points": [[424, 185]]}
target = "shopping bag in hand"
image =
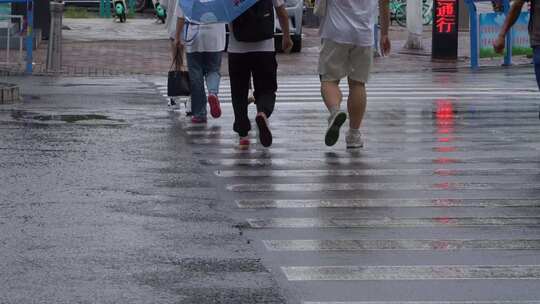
{"points": [[178, 83]]}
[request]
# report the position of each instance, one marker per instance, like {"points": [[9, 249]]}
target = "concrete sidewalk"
{"points": [[101, 47]]}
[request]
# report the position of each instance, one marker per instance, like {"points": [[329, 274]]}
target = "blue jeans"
{"points": [[203, 66], [537, 64]]}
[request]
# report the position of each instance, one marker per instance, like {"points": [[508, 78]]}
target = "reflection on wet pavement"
{"points": [[450, 174]]}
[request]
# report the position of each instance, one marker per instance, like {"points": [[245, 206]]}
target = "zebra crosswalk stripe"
{"points": [[424, 272], [427, 302], [485, 144], [384, 203], [320, 187], [392, 222], [396, 245]]}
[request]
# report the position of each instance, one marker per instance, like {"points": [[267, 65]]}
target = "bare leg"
{"points": [[332, 98], [356, 104], [178, 67], [174, 50], [331, 94], [172, 99]]}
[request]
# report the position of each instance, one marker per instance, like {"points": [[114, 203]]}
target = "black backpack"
{"points": [[255, 24]]}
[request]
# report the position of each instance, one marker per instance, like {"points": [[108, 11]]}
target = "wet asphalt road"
{"points": [[130, 203], [113, 209]]}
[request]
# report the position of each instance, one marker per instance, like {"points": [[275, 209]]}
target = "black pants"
{"points": [[263, 67]]}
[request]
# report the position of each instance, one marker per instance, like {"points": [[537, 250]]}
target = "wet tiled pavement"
{"points": [[441, 206], [101, 47]]}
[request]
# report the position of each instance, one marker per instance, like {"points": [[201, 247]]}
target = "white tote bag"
{"points": [[320, 8]]}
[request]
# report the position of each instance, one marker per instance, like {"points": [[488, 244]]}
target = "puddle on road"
{"points": [[31, 97], [88, 119], [70, 118], [70, 85]]}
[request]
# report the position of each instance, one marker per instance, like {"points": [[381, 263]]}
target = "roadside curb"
{"points": [[379, 68], [452, 69]]}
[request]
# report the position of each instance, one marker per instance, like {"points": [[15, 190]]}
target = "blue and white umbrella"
{"points": [[214, 11]]}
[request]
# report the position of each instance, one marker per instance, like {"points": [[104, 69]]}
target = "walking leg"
{"points": [[239, 73]]}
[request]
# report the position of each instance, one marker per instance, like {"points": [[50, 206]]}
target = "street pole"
{"points": [[29, 36], [444, 45], [415, 25], [54, 52]]}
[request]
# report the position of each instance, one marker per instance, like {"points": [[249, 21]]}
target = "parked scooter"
{"points": [[120, 10], [161, 10]]}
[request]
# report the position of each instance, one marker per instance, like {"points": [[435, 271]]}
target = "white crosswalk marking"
{"points": [[383, 203], [392, 222], [363, 245], [446, 190], [442, 272], [429, 302]]}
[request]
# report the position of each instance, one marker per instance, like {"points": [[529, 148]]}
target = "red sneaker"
{"points": [[243, 143], [198, 120], [215, 109]]}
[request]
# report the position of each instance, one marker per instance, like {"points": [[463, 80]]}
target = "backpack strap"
{"points": [[531, 16], [188, 27]]}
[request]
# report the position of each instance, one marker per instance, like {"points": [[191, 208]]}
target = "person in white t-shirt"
{"points": [[347, 51], [204, 45], [257, 59]]}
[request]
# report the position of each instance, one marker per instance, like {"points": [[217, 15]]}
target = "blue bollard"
{"points": [[131, 5], [105, 8], [29, 36]]}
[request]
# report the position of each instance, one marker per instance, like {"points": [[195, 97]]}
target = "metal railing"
{"points": [[474, 33], [6, 22], [29, 28]]}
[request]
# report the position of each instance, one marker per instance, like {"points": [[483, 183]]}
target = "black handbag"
{"points": [[178, 83]]}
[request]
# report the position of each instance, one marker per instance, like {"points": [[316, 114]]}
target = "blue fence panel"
{"points": [[29, 31], [474, 33]]}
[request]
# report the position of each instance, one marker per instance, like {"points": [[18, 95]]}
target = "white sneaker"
{"points": [[187, 105], [354, 140]]}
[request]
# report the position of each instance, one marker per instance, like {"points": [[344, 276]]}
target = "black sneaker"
{"points": [[335, 122]]}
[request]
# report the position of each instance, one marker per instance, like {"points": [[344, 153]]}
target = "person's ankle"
{"points": [[333, 110]]}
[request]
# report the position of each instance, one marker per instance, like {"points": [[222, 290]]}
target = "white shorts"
{"points": [[338, 60]]}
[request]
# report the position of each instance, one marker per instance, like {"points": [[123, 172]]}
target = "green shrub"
{"points": [[77, 12]]}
